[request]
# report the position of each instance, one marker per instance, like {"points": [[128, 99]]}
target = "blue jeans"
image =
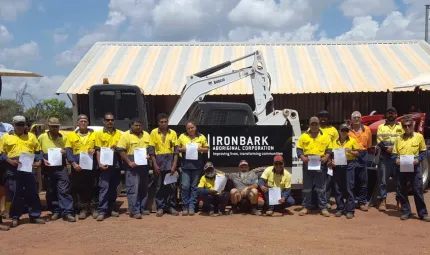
{"points": [[108, 183], [344, 187], [387, 169], [317, 178], [416, 179], [189, 181], [136, 182], [58, 197], [288, 202]]}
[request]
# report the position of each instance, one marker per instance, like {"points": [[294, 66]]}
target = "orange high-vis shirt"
{"points": [[363, 137]]}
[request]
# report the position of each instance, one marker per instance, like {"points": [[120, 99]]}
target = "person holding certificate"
{"points": [[344, 151], [313, 150], [110, 173], [132, 147], [80, 151], [21, 150], [164, 150], [192, 145], [57, 175], [409, 151]]}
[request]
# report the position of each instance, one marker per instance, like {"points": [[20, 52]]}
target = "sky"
{"points": [[50, 37]]}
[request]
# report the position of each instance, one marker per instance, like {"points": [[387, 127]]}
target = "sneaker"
{"points": [[185, 212], [269, 213], [55, 216], [69, 218], [173, 212], [95, 214], [137, 216], [364, 208], [303, 212], [160, 212], [349, 216], [146, 212], [82, 215], [338, 214], [114, 214], [15, 223], [383, 206], [325, 213], [191, 212], [405, 216], [425, 218], [255, 212], [37, 221]]}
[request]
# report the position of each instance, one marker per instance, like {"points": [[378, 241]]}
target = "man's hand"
{"points": [[324, 159], [132, 165], [103, 167], [172, 170], [282, 200], [219, 172], [36, 164], [304, 159], [390, 149], [398, 162], [331, 163], [348, 150], [243, 192], [91, 151], [416, 162], [182, 149], [13, 162], [156, 169], [213, 192], [46, 162], [114, 147], [264, 189], [76, 167], [63, 151]]}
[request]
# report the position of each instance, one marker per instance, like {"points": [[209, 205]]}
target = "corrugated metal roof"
{"points": [[312, 67]]}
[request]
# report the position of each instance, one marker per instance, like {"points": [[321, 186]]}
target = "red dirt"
{"points": [[371, 232]]}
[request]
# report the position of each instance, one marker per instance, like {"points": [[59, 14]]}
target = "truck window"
{"points": [[227, 117], [121, 103]]}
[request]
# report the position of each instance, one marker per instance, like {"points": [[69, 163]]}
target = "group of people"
{"points": [[95, 177]]}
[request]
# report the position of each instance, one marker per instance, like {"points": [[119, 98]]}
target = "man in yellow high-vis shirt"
{"points": [[14, 145], [136, 175], [110, 175], [83, 180], [411, 144]]}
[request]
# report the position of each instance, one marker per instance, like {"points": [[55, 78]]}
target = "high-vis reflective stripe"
{"points": [[389, 134]]}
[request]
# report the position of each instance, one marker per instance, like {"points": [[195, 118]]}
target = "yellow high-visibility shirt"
{"points": [[46, 142], [199, 139], [331, 131], [389, 134], [349, 143], [80, 143], [273, 180], [106, 139], [13, 145], [409, 145], [166, 147], [207, 183], [311, 146], [129, 141]]}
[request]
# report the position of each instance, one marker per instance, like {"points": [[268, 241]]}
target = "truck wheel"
{"points": [[425, 170]]}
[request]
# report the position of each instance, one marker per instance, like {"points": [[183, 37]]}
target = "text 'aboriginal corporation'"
{"points": [[241, 146]]}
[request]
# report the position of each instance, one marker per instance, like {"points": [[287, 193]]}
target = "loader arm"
{"points": [[199, 85]]}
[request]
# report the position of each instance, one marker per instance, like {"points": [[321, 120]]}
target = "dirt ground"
{"points": [[371, 232]]}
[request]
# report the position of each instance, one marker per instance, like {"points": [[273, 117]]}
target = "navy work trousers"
{"points": [[58, 197], [136, 182], [344, 179], [165, 195], [109, 180], [416, 179], [84, 184], [216, 203], [386, 169], [317, 178]]}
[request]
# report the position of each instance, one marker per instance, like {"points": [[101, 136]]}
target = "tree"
{"points": [[50, 108], [8, 109]]}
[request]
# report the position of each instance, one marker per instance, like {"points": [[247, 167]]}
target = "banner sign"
{"points": [[256, 144]]}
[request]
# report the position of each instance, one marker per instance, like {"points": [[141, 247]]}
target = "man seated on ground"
{"points": [[245, 189], [212, 199], [276, 176]]}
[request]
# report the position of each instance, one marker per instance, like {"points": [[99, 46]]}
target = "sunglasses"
{"points": [[20, 124], [407, 126], [109, 120]]}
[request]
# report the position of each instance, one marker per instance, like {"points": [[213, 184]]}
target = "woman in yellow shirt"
{"points": [[191, 167]]}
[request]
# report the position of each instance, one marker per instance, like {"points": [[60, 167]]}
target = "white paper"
{"points": [[171, 178], [274, 196], [192, 151], [314, 163], [220, 182], [140, 157], [106, 156], [26, 162], [55, 158], [330, 171], [340, 157], [407, 163], [86, 161]]}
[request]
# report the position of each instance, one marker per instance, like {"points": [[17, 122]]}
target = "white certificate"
{"points": [[339, 157], [26, 162], [220, 182], [106, 156], [140, 156], [192, 152], [274, 196], [330, 171], [55, 158], [407, 163], [86, 161], [314, 163], [169, 179]]}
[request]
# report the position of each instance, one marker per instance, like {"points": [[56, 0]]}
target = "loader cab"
{"points": [[220, 113], [127, 102]]}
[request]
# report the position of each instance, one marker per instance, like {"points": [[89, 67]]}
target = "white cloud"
{"points": [[59, 38], [363, 28], [354, 8], [20, 55], [9, 9], [5, 36]]}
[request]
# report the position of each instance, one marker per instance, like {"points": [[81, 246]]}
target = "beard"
{"points": [[391, 118]]}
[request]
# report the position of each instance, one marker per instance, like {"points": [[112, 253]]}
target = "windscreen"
{"points": [[122, 103]]}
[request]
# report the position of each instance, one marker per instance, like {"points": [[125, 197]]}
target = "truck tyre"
{"points": [[425, 171]]}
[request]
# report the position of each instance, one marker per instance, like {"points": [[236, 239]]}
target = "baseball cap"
{"points": [[391, 109], [82, 116], [323, 113], [53, 122], [343, 126], [243, 162], [18, 119], [278, 158], [314, 120], [208, 165]]}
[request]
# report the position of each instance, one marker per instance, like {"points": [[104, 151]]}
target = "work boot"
{"points": [[383, 206], [100, 217], [269, 213], [95, 213], [184, 212], [425, 218], [55, 216], [15, 223], [191, 212], [137, 216], [4, 214], [303, 212], [173, 212], [325, 213], [212, 213], [146, 212], [114, 214], [398, 206], [37, 221], [69, 218], [160, 212], [254, 211], [405, 216], [349, 216], [364, 208], [234, 209], [82, 215], [338, 214], [3, 227]]}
